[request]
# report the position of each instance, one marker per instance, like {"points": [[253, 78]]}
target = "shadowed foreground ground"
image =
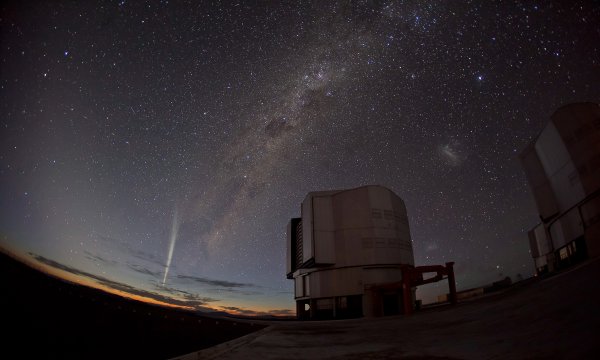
{"points": [[46, 318], [555, 318]]}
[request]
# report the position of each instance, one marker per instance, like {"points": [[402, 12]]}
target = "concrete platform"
{"points": [[555, 318]]}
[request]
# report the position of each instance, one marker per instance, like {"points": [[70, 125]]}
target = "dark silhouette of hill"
{"points": [[56, 319]]}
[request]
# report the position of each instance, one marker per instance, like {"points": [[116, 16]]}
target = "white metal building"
{"points": [[563, 170], [346, 251]]}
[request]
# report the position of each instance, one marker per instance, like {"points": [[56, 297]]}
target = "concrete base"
{"points": [[554, 318]]}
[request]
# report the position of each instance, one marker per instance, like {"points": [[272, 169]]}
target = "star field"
{"points": [[116, 116]]}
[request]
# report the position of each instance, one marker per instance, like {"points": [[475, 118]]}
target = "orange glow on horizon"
{"points": [[82, 280], [85, 281]]}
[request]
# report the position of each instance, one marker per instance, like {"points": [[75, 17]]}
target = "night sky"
{"points": [[127, 127]]}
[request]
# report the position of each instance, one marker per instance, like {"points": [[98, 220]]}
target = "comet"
{"points": [[172, 240]]}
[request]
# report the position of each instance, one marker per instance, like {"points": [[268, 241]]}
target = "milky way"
{"points": [[161, 147]]}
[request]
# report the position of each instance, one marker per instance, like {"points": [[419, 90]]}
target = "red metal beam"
{"points": [[413, 276], [430, 268]]}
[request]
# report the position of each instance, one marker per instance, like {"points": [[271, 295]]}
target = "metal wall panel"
{"points": [[535, 252], [289, 246], [558, 166], [307, 229], [543, 242], [298, 287], [568, 228], [539, 183], [324, 230]]}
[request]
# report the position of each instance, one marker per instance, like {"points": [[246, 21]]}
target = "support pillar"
{"points": [[335, 307], [406, 292], [299, 310], [451, 282]]}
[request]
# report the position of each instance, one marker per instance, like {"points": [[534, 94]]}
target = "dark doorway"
{"points": [[348, 307], [355, 306], [303, 309], [391, 304]]}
